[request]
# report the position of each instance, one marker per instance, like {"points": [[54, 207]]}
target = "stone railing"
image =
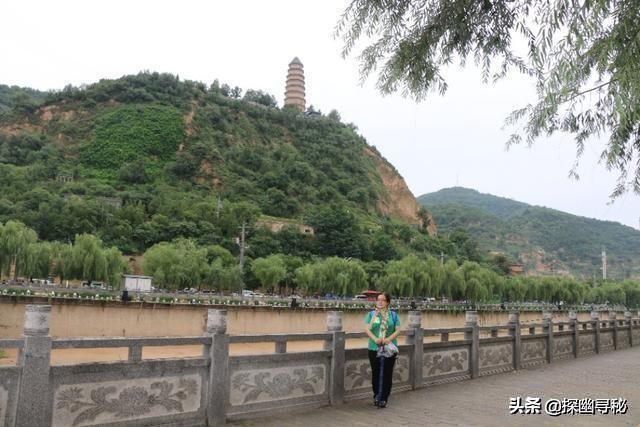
{"points": [[218, 386]]}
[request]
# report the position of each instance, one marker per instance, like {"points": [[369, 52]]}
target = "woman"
{"points": [[382, 328]]}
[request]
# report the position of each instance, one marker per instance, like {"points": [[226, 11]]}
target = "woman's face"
{"points": [[382, 301]]}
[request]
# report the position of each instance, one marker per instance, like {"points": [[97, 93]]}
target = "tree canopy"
{"points": [[583, 56]]}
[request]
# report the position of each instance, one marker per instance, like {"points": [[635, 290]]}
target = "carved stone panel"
{"points": [[586, 344], [606, 341], [496, 355], [636, 336], [563, 347], [4, 401], [448, 361], [117, 401], [623, 339], [533, 352], [357, 373], [271, 384]]}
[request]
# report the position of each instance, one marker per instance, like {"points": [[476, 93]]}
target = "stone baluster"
{"points": [[547, 318], [595, 317], [514, 331], [474, 336], [627, 318], [614, 322], [417, 340], [218, 395], [336, 385], [575, 327], [35, 361]]}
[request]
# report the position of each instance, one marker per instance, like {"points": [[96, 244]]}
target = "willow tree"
{"points": [[269, 271], [15, 238], [61, 254], [37, 260], [87, 258], [584, 57], [176, 264]]}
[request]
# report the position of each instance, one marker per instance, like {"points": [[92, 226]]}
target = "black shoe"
{"points": [[382, 404], [375, 402]]}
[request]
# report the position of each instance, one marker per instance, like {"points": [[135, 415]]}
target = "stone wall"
{"points": [[217, 386], [116, 319]]}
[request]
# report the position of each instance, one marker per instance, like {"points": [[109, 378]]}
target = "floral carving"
{"points": [[278, 386], [562, 346], [534, 350], [586, 344], [495, 355], [131, 401], [606, 340], [358, 372], [623, 339], [443, 362]]}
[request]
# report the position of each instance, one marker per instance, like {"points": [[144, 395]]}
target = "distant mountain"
{"points": [[544, 240]]}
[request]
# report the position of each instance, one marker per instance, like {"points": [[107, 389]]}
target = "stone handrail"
{"points": [[219, 386], [100, 342], [11, 343]]}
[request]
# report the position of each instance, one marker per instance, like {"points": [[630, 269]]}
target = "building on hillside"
{"points": [[277, 225], [295, 90]]}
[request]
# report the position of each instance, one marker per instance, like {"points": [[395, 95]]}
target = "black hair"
{"points": [[387, 296]]}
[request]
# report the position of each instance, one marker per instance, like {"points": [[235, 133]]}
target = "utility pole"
{"points": [[218, 207], [604, 264], [441, 258], [242, 235]]}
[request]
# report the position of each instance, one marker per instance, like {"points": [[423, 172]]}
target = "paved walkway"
{"points": [[485, 401]]}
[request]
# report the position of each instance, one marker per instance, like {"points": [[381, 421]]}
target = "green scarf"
{"points": [[384, 322]]}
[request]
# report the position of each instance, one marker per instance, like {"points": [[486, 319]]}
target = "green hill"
{"points": [[12, 95], [545, 240], [150, 158]]}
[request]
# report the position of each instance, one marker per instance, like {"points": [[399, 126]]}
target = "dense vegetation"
{"points": [[183, 263], [148, 158], [152, 165], [566, 242], [23, 255], [14, 96]]}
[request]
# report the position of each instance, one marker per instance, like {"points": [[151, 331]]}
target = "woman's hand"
{"points": [[385, 341], [380, 341]]}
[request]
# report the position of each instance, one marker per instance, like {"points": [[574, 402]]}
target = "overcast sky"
{"points": [[456, 139]]}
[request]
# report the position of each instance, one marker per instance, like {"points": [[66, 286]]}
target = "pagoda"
{"points": [[294, 91]]}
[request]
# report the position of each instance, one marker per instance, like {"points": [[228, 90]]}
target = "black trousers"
{"points": [[387, 376]]}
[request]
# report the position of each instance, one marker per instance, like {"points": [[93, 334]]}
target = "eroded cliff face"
{"points": [[398, 201]]}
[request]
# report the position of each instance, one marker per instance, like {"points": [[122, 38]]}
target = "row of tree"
{"points": [[23, 255], [183, 263]]}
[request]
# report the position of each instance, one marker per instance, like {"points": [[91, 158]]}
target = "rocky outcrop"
{"points": [[398, 201]]}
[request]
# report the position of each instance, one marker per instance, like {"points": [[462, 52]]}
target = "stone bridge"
{"points": [[453, 373]]}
